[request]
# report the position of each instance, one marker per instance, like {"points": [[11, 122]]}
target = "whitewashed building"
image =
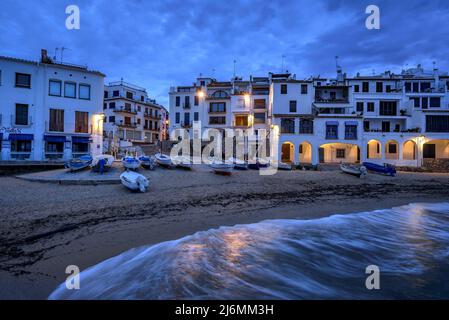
{"points": [[401, 119], [131, 117], [49, 110]]}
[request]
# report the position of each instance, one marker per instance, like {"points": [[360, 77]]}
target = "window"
{"points": [[186, 102], [69, 89], [415, 87], [112, 105], [360, 106], [115, 93], [196, 116], [379, 87], [56, 120], [370, 107], [365, 86], [303, 89], [259, 103], [425, 86], [385, 126], [23, 80], [106, 94], [388, 88], [283, 89], [112, 119], [388, 108], [54, 88], [177, 117], [435, 102], [351, 132], [202, 83], [287, 125], [416, 101], [341, 153], [241, 120], [196, 101], [259, 118], [366, 125], [178, 101], [129, 95], [217, 120], [21, 149], [105, 106], [331, 131], [293, 106], [138, 120], [306, 126], [437, 123], [356, 88], [142, 98], [408, 87], [21, 114], [81, 122], [425, 103], [187, 118], [84, 91], [429, 151], [392, 148], [217, 107]]}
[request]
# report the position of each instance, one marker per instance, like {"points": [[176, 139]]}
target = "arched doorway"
{"points": [[392, 150], [374, 150], [288, 152], [305, 153], [409, 150], [436, 149], [339, 152]]}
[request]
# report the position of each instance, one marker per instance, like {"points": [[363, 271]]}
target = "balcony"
{"points": [[319, 99], [186, 105], [125, 110], [27, 123], [186, 124], [132, 125], [334, 111], [152, 116]]}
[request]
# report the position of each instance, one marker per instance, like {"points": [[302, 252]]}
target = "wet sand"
{"points": [[46, 227]]}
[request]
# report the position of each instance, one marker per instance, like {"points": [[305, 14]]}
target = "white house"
{"points": [[131, 117], [49, 110], [401, 119]]}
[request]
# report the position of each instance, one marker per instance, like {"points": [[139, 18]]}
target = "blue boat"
{"points": [[147, 162], [385, 169], [79, 163], [131, 163]]}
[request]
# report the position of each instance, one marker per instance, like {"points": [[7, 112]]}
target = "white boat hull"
{"points": [[108, 158], [134, 181], [163, 159], [222, 168]]}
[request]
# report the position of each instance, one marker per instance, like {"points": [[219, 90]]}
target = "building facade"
{"points": [[131, 117], [49, 110], [401, 119]]}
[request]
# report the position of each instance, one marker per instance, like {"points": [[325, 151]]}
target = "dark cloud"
{"points": [[161, 43]]}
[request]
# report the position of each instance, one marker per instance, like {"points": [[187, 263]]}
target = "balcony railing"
{"points": [[186, 105], [186, 124], [338, 110], [125, 110], [126, 124], [330, 100], [28, 124]]}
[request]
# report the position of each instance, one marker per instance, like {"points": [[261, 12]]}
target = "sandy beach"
{"points": [[46, 227]]}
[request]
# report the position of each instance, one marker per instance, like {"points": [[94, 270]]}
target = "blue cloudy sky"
{"points": [[159, 43]]}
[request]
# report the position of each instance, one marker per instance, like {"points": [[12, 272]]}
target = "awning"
{"points": [[55, 138], [80, 139], [19, 136], [351, 123], [332, 123]]}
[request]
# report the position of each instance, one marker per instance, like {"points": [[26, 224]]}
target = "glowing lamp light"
{"points": [[201, 94]]}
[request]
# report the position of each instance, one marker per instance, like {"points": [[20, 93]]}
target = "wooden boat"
{"points": [[131, 163], [163, 160], [358, 171], [238, 164], [221, 167], [182, 162], [79, 163], [386, 169], [134, 181], [147, 162]]}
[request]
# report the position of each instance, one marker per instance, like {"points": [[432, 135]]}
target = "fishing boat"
{"points": [[182, 162], [220, 167], [386, 169], [284, 166], [260, 163], [79, 163], [134, 181], [147, 162], [358, 171], [163, 160], [238, 164], [131, 163]]}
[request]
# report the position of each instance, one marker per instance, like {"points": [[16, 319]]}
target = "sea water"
{"points": [[287, 259]]}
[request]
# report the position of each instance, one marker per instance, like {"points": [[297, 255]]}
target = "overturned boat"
{"points": [[134, 181], [102, 163], [163, 160], [238, 164], [220, 167], [79, 163], [358, 171], [386, 169], [131, 163], [182, 162]]}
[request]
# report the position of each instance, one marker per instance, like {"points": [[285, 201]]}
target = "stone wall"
{"points": [[436, 165]]}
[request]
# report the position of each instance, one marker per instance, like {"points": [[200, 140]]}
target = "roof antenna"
{"points": [[56, 53], [62, 52]]}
